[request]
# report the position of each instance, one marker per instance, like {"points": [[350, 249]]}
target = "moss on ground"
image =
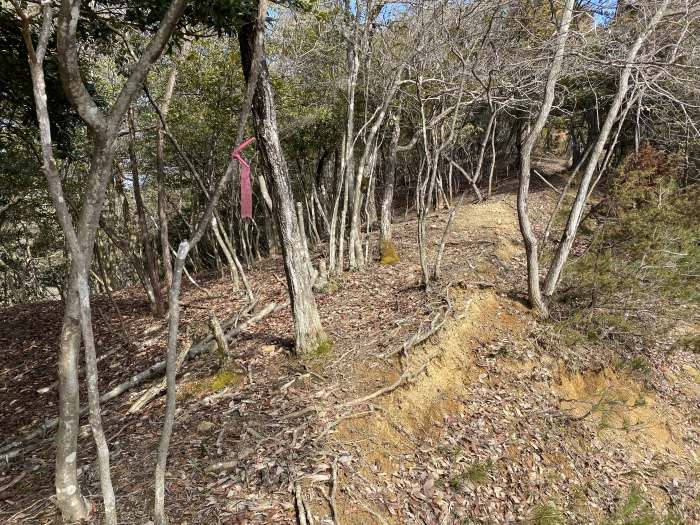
{"points": [[388, 254], [324, 348], [224, 378]]}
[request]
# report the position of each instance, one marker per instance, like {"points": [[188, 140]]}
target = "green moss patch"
{"points": [[324, 348], [224, 378], [387, 249]]}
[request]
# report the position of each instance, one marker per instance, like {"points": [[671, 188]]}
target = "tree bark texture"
{"points": [[529, 138], [307, 324]]}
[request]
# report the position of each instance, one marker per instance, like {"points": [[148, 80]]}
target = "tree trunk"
{"points": [[346, 177], [77, 309], [103, 128], [371, 201], [482, 147], [334, 239], [389, 182], [148, 254], [304, 242], [574, 219], [159, 516], [349, 158], [307, 324], [529, 238], [492, 166], [363, 167], [72, 504], [529, 138], [422, 210], [269, 218], [160, 167], [218, 229]]}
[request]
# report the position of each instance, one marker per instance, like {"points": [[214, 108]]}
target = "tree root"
{"points": [[435, 325], [334, 490], [301, 506], [405, 378]]}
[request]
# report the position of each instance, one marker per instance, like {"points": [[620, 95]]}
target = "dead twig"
{"points": [[16, 447], [307, 511], [435, 325], [334, 490], [405, 378], [299, 500], [13, 482], [223, 465], [81, 372], [330, 426], [299, 413], [156, 390], [546, 182]]}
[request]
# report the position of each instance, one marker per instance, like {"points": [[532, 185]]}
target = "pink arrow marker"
{"points": [[246, 190]]}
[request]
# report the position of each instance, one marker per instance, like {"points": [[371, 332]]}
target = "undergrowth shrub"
{"points": [[639, 270]]}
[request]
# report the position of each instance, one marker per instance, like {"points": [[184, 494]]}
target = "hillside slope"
{"points": [[491, 420]]}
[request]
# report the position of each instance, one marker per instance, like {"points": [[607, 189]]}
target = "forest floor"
{"points": [[491, 420]]}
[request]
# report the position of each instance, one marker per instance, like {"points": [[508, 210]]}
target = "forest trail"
{"points": [[304, 215], [497, 431], [412, 420], [485, 420]]}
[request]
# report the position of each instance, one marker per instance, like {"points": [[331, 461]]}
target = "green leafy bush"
{"points": [[639, 270]]}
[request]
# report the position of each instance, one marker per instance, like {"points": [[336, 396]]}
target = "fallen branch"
{"points": [[223, 466], [218, 333], [330, 426], [405, 378], [14, 452], [13, 482], [309, 516], [334, 490], [154, 391], [299, 413], [546, 181], [207, 344], [13, 449], [81, 372], [299, 500]]}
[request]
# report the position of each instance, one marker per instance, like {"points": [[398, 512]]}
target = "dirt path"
{"points": [[498, 431], [486, 422]]}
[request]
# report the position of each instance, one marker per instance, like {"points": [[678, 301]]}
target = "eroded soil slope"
{"points": [[488, 421]]}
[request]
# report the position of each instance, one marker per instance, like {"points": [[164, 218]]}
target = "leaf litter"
{"points": [[481, 423]]}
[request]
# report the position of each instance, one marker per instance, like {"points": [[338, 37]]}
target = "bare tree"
{"points": [[160, 167], [577, 207], [530, 136], [389, 181], [149, 257], [356, 257], [256, 67], [104, 128], [308, 331]]}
